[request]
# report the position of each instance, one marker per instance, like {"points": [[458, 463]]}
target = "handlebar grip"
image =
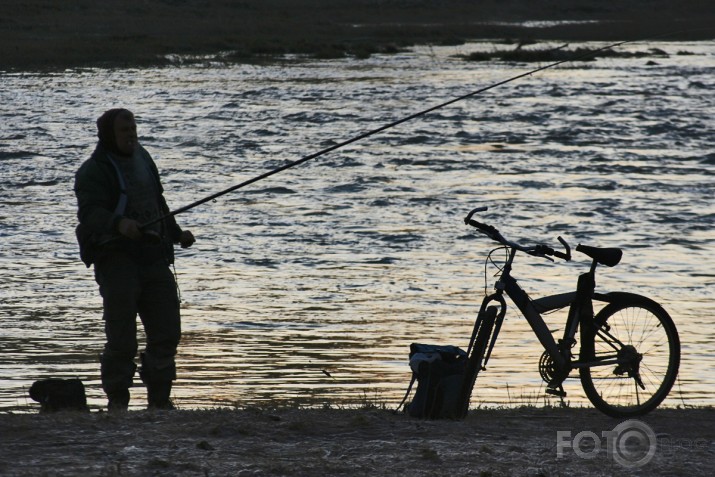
{"points": [[468, 218], [548, 251]]}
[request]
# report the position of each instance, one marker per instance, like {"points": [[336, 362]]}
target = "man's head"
{"points": [[117, 131]]}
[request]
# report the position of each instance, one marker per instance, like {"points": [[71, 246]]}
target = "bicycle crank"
{"points": [[551, 374]]}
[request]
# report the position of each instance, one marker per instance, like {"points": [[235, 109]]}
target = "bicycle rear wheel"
{"points": [[476, 357], [641, 336]]}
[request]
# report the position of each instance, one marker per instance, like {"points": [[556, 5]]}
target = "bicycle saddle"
{"points": [[609, 257]]}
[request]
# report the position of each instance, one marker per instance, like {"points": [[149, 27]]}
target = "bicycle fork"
{"points": [[498, 320]]}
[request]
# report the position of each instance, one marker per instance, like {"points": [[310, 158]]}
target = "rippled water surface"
{"points": [[309, 286]]}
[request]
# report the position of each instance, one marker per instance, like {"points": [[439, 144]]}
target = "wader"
{"points": [[128, 289]]}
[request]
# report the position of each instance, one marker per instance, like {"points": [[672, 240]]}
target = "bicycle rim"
{"points": [[643, 335]]}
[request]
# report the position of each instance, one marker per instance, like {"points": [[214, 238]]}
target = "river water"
{"points": [[308, 287]]}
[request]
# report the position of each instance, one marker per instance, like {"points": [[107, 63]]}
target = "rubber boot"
{"points": [[117, 371], [118, 401], [159, 395]]}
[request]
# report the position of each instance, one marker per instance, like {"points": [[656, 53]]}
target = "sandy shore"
{"points": [[47, 34], [522, 442]]}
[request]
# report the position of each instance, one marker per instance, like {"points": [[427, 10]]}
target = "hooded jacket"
{"points": [[98, 190]]}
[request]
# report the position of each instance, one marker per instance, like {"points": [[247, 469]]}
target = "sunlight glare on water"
{"points": [[310, 286]]}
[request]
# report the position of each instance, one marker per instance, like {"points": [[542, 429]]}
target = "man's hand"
{"points": [[129, 228], [186, 239]]}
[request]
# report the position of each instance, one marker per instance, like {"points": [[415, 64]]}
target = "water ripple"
{"points": [[341, 263]]}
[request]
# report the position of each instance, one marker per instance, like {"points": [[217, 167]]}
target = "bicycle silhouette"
{"points": [[629, 351]]}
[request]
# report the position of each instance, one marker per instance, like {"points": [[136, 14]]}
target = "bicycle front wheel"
{"points": [[634, 354]]}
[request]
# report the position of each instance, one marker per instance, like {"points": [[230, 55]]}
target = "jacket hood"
{"points": [[105, 128]]}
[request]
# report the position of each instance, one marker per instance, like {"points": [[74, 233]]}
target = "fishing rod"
{"points": [[383, 128]]}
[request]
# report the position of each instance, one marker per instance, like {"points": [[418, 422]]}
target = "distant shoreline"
{"points": [[48, 35]]}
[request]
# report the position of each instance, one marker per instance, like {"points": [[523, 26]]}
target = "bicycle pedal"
{"points": [[556, 392]]}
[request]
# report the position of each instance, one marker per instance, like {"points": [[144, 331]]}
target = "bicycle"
{"points": [[630, 350]]}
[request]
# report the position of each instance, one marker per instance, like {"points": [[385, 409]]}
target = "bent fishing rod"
{"points": [[387, 126]]}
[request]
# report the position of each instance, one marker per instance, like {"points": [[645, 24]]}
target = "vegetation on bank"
{"points": [[364, 50], [46, 34], [562, 53]]}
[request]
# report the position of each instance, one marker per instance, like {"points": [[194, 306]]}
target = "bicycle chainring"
{"points": [[547, 368]]}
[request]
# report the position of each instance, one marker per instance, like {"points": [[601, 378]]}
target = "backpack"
{"points": [[59, 395], [439, 372]]}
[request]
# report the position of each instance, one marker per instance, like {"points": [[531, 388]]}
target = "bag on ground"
{"points": [[59, 395], [439, 371]]}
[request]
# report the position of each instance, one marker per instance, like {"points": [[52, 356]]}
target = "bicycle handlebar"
{"points": [[494, 234]]}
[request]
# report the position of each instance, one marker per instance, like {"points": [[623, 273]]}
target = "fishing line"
{"points": [[395, 123]]}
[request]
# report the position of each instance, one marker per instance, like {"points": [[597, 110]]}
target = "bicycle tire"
{"points": [[638, 329], [475, 359]]}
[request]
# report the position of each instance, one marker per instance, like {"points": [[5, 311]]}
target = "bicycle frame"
{"points": [[508, 284], [581, 313]]}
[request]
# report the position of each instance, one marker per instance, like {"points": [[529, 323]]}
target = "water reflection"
{"points": [[310, 286]]}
